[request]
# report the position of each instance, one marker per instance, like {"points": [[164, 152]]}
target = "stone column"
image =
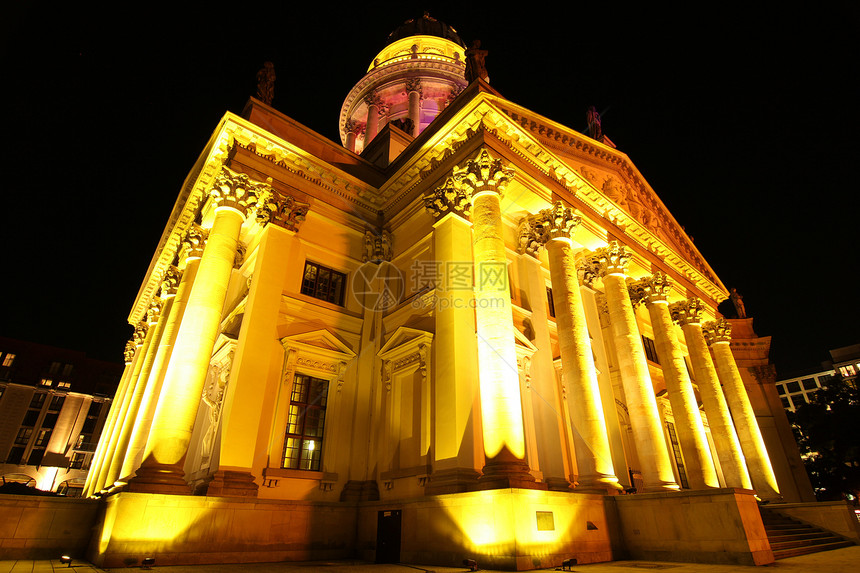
{"points": [[161, 471], [350, 135], [174, 290], [373, 104], [688, 314], [610, 263], [485, 179], [130, 354], [719, 335], [155, 320], [554, 229], [701, 472], [248, 411], [143, 337], [413, 91], [457, 449]]}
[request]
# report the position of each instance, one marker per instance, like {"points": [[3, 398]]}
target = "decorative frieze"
{"points": [[377, 246]]}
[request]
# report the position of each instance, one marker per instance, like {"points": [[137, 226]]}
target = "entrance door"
{"points": [[388, 536]]}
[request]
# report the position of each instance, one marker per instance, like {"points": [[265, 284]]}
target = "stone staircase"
{"points": [[789, 538]]}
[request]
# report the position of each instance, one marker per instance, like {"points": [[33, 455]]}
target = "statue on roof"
{"points": [[738, 302], [476, 66], [595, 129], [266, 83]]}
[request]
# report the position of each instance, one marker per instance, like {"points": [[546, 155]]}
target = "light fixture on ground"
{"points": [[66, 560], [147, 562]]}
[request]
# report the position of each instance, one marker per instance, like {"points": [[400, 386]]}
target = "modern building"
{"points": [[53, 405], [797, 390], [466, 330]]}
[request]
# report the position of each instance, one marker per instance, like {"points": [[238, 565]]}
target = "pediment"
{"points": [[321, 341], [404, 340], [523, 345]]}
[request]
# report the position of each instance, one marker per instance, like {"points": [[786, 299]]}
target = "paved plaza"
{"points": [[846, 560]]}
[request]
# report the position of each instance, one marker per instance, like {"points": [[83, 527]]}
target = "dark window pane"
{"points": [[50, 420], [793, 386], [35, 457], [809, 384]]}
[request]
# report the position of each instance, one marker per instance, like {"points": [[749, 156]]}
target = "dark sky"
{"points": [[742, 119]]}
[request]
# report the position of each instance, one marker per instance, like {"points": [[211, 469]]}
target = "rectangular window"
{"points": [[785, 403], [323, 283], [46, 382], [56, 403], [550, 301], [15, 455], [35, 458], [793, 387], [650, 350], [77, 461], [38, 401], [43, 436], [50, 420], [64, 385], [780, 388], [8, 359], [809, 384], [23, 436], [676, 450], [30, 418], [305, 423]]}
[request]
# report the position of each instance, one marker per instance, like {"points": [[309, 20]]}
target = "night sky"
{"points": [[742, 120]]}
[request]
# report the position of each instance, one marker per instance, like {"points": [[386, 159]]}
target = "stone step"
{"points": [[778, 544], [798, 536], [795, 551]]}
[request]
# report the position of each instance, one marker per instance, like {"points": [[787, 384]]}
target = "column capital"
{"points": [[194, 241], [483, 174], [413, 85], [650, 289], [139, 333], [239, 191], [282, 210], [373, 99], [612, 259], [717, 331], [449, 198], [688, 311], [128, 353], [154, 311], [170, 282]]}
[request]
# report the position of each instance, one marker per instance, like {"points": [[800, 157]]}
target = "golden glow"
{"points": [[429, 48]]}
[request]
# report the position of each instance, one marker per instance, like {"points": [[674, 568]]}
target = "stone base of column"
{"points": [[355, 490], [659, 487], [159, 478], [227, 483], [452, 480], [507, 471], [557, 484], [602, 484]]}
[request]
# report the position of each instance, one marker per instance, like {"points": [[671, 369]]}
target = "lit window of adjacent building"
{"points": [[8, 359], [43, 436], [65, 385], [77, 461], [847, 370], [23, 436], [793, 387], [809, 384], [46, 382], [323, 283], [56, 403], [780, 388], [305, 423]]}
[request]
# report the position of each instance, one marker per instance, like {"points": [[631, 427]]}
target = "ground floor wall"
{"points": [[34, 527], [704, 526], [179, 529]]}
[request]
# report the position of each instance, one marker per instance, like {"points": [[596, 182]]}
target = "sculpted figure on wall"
{"points": [[476, 66], [266, 83]]}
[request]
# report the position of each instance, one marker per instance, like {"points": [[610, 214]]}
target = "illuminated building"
{"points": [[53, 405], [797, 390], [463, 342]]}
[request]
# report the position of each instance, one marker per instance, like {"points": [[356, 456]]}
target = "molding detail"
{"points": [[650, 289], [612, 259], [283, 211], [239, 192], [449, 198], [483, 174]]}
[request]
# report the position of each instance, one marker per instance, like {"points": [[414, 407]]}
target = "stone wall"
{"points": [[706, 526], [513, 529], [835, 516], [33, 527], [179, 529]]}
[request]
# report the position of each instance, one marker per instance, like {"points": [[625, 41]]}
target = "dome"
{"points": [[409, 82], [426, 25]]}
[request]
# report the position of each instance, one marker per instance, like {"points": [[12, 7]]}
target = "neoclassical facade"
{"points": [[484, 335]]}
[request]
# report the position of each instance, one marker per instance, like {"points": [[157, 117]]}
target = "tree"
{"points": [[827, 430]]}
